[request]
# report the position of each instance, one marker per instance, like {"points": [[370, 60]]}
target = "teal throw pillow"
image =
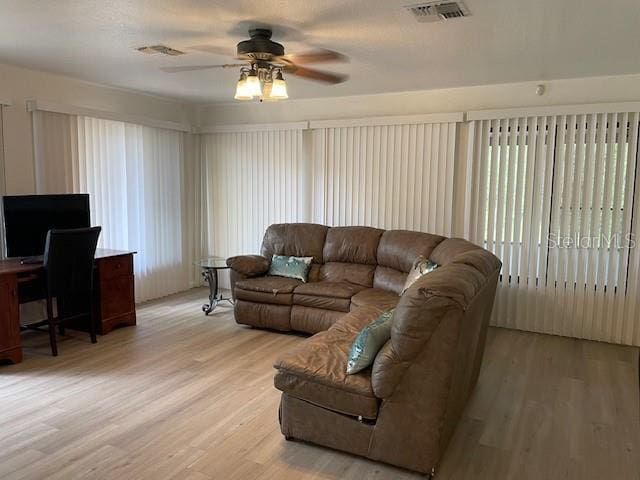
{"points": [[369, 342], [290, 267], [421, 266]]}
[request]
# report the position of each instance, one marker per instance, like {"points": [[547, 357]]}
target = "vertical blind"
{"points": [[254, 179], [134, 175], [553, 197], [387, 176]]}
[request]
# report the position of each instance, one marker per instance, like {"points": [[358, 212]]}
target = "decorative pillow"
{"points": [[290, 267], [421, 266], [369, 342]]}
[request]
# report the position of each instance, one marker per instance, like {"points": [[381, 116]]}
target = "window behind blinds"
{"points": [[553, 197]]}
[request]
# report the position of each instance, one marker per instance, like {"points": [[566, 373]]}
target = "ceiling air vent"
{"points": [[437, 11], [163, 49]]}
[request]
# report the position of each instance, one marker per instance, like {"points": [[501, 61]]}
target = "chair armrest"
{"points": [[249, 265]]}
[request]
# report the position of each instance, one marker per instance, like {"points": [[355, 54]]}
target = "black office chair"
{"points": [[68, 273]]}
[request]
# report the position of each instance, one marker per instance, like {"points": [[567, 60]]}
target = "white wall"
{"points": [[18, 85]]}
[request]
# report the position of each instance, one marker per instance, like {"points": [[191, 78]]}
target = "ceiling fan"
{"points": [[264, 63]]}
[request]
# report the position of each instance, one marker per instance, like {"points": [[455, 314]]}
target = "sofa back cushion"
{"points": [[390, 279], [350, 255], [352, 245], [397, 251], [355, 273], [295, 239]]}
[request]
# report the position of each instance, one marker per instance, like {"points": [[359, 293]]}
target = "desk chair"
{"points": [[68, 275]]}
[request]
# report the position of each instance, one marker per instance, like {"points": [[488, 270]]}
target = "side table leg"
{"points": [[215, 286], [209, 276]]}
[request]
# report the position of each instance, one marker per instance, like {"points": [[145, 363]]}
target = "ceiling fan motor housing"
{"points": [[260, 46]]}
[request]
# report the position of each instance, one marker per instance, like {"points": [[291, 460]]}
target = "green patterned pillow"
{"points": [[290, 267], [421, 266], [369, 342]]}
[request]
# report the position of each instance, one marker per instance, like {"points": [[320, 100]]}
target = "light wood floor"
{"points": [[184, 396]]}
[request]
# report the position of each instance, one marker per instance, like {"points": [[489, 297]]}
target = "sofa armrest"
{"points": [[249, 265]]}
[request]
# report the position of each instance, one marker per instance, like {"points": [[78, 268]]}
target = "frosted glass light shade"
{"points": [[242, 92], [253, 86], [278, 90], [266, 92]]}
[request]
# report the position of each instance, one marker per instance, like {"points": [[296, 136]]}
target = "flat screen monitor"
{"points": [[28, 218]]}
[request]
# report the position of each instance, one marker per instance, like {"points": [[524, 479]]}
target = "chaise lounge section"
{"points": [[404, 408]]}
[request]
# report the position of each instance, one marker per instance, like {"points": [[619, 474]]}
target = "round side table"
{"points": [[210, 267]]}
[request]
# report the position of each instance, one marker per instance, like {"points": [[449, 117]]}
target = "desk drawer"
{"points": [[114, 267], [9, 320], [117, 297]]}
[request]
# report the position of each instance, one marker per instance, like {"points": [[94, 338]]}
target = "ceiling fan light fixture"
{"points": [[266, 92], [242, 91], [253, 86], [278, 88], [262, 64]]}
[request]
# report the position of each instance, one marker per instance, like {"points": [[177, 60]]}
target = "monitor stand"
{"points": [[32, 260]]}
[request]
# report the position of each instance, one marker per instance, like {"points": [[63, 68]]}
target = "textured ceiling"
{"points": [[503, 41]]}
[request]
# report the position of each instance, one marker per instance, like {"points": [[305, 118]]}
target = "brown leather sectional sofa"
{"points": [[402, 410]]}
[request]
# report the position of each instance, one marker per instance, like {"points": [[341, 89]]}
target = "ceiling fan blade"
{"points": [[314, 56], [224, 52], [193, 68], [316, 75]]}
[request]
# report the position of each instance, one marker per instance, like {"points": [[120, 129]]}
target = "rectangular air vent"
{"points": [[163, 49], [437, 11]]}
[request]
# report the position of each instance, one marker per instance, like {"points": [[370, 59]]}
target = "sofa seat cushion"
{"points": [[316, 371], [326, 295], [329, 289], [323, 303], [375, 297], [275, 290]]}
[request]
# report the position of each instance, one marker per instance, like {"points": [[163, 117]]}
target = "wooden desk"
{"points": [[114, 289]]}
